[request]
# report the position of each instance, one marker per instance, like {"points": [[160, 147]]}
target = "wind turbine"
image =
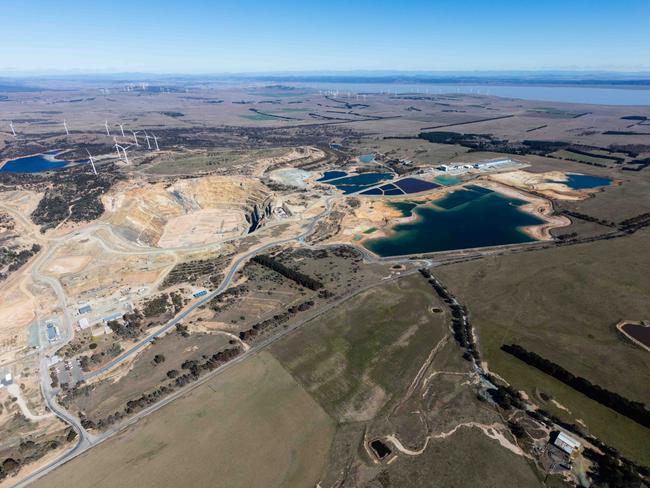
{"points": [[126, 158], [155, 140], [146, 136], [92, 162], [117, 148], [11, 124], [65, 126], [122, 129], [108, 132], [135, 137]]}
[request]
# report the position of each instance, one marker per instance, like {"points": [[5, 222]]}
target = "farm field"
{"points": [[252, 426], [564, 305], [362, 357]]}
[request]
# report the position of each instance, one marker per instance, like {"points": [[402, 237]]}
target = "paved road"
{"points": [[87, 441], [225, 283]]}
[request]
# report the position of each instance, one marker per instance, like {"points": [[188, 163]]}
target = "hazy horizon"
{"points": [[250, 37]]}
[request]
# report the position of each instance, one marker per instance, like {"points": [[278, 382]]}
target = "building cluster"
{"points": [[491, 164]]}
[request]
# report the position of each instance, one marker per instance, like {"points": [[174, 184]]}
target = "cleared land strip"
{"points": [[469, 122]]}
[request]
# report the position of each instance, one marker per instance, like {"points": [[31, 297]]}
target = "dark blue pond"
{"points": [[33, 164], [402, 187], [331, 175], [415, 185], [582, 182], [457, 221], [351, 184], [372, 191]]}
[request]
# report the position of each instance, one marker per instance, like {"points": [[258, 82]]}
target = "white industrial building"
{"points": [[494, 163], [567, 443]]}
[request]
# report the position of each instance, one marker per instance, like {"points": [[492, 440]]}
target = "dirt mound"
{"points": [[188, 212]]}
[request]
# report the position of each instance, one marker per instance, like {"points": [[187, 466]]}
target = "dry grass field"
{"points": [[564, 305], [251, 426]]}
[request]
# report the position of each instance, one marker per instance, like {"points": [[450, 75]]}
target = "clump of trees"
{"points": [[198, 271], [221, 301], [635, 223], [631, 409], [10, 260], [296, 276], [611, 470], [72, 194], [588, 218]]}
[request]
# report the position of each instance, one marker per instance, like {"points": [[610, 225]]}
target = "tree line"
{"points": [[293, 275], [460, 323], [633, 410]]}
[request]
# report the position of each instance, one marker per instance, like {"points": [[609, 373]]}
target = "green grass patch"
{"points": [[364, 354]]}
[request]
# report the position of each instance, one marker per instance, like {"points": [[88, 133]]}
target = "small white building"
{"points": [[567, 443], [443, 167], [84, 323]]}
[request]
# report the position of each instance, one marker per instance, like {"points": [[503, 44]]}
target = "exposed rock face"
{"points": [[189, 212]]}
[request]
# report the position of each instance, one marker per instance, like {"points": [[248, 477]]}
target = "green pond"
{"points": [[467, 218], [447, 180]]}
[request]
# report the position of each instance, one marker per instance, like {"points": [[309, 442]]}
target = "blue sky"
{"points": [[193, 36]]}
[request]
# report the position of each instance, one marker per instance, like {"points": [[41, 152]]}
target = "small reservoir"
{"points": [[35, 163], [332, 175], [447, 180], [467, 218], [583, 182], [402, 187], [355, 183], [366, 158]]}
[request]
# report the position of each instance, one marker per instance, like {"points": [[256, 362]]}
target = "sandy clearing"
{"points": [[67, 264], [201, 227], [544, 183], [14, 390], [493, 431]]}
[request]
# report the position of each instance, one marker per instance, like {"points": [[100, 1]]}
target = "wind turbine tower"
{"points": [[108, 132], [117, 148], [146, 136], [122, 129], [65, 126], [13, 131], [135, 137], [155, 140], [92, 162]]}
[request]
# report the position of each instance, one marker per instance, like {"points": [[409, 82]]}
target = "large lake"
{"points": [[466, 218], [569, 94]]}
